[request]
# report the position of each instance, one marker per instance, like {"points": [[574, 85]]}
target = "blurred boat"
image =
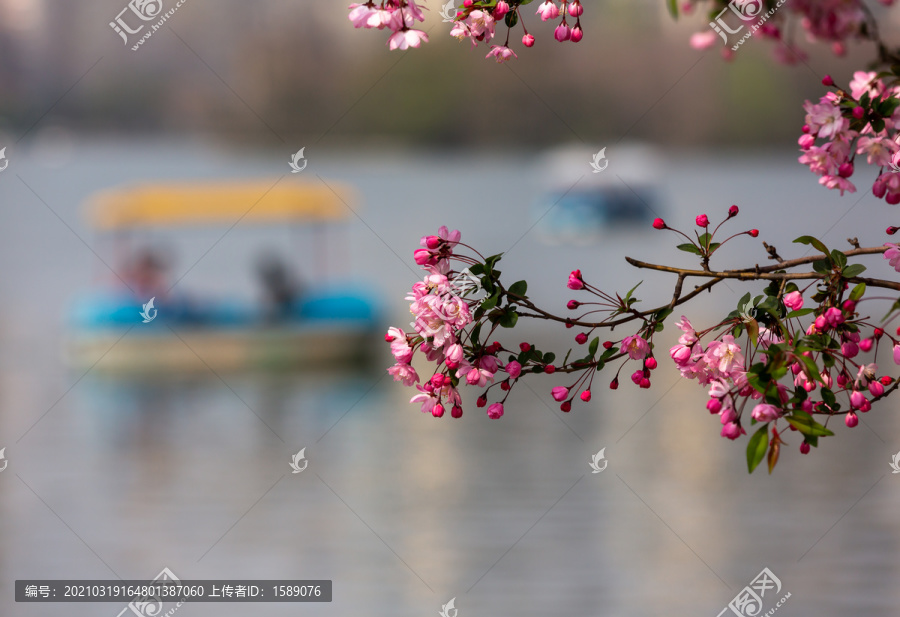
{"points": [[588, 194], [114, 331]]}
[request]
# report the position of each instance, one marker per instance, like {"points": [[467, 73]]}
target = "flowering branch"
{"points": [[795, 365]]}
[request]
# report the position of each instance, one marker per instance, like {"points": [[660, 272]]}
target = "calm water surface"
{"points": [[117, 478]]}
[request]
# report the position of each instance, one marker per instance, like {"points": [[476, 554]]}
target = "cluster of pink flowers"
{"points": [[395, 15], [840, 126], [441, 315], [477, 22]]}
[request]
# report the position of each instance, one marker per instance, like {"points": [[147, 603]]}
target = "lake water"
{"points": [[116, 478]]}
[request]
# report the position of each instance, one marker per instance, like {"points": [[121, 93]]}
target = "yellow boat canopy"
{"points": [[218, 203]]}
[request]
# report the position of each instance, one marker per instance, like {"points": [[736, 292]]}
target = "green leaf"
{"points": [[704, 239], [477, 269], [491, 261], [592, 349], [757, 447], [804, 423], [490, 302], [519, 287], [853, 270], [753, 331], [512, 18], [673, 8], [799, 313], [631, 291], [815, 242], [688, 248], [509, 319], [549, 358], [810, 368], [838, 258], [858, 292], [822, 266]]}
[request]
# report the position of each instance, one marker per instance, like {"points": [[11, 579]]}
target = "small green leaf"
{"points": [[756, 448], [853, 270], [519, 287], [799, 313], [509, 319], [512, 18], [592, 349], [815, 242], [477, 269], [490, 302], [549, 358], [838, 258], [673, 8], [688, 248], [804, 423], [858, 292]]}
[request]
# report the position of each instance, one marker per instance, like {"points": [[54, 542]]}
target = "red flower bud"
{"points": [[586, 396], [549, 369], [658, 223], [827, 81], [753, 233], [566, 406], [733, 211], [482, 401], [614, 384], [524, 346], [892, 230]]}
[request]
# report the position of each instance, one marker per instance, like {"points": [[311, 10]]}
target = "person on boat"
{"points": [[281, 288]]}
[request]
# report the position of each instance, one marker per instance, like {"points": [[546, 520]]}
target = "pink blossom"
{"points": [[495, 411], [360, 14], [548, 10], [725, 354], [514, 369], [690, 336], [837, 182], [560, 393], [636, 347], [793, 300], [875, 388], [406, 38], [502, 53], [454, 355], [893, 255], [479, 377], [849, 349], [879, 150], [765, 413], [732, 431], [863, 83], [897, 354], [426, 398], [562, 32], [704, 39], [404, 373], [826, 119], [681, 354], [575, 280]]}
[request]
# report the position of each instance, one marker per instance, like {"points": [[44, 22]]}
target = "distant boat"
{"points": [[586, 194], [113, 331]]}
